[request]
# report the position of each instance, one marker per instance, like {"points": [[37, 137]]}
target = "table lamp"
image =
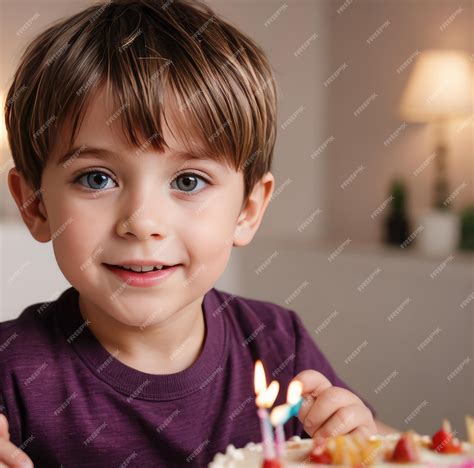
{"points": [[439, 89]]}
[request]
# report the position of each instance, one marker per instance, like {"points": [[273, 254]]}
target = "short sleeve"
{"points": [[309, 356]]}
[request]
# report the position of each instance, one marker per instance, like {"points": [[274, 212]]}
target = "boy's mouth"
{"points": [[139, 269], [142, 279]]}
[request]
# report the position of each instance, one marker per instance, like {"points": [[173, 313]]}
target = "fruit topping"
{"points": [[406, 450], [320, 454], [444, 442], [273, 463]]}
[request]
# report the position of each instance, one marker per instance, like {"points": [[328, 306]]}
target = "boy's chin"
{"points": [[141, 320]]}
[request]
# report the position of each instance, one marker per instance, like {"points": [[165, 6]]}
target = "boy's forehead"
{"points": [[101, 133], [84, 151], [102, 123]]}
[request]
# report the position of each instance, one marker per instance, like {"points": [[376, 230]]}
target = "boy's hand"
{"points": [[11, 456], [328, 411]]}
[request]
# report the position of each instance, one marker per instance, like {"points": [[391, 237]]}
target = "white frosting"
{"points": [[297, 450]]}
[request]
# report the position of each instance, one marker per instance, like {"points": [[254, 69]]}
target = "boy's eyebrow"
{"points": [[85, 152]]}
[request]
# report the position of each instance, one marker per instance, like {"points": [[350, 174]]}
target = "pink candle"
{"points": [[266, 396], [281, 414], [267, 434], [280, 440]]}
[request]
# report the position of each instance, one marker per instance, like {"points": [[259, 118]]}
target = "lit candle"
{"points": [[280, 440], [282, 413], [266, 396]]}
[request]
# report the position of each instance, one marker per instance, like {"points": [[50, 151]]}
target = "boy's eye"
{"points": [[189, 181], [97, 180]]}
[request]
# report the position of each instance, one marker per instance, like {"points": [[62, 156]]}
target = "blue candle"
{"points": [[296, 408]]}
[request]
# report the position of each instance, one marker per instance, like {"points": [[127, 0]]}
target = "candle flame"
{"points": [[266, 398], [295, 390], [260, 382], [280, 414]]}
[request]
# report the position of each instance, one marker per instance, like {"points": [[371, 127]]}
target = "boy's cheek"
{"points": [[78, 251]]}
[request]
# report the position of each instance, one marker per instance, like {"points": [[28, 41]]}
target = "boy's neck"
{"points": [[166, 348]]}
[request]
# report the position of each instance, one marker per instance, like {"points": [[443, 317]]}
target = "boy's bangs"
{"points": [[149, 80], [172, 63]]}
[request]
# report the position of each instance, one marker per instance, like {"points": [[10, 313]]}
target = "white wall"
{"points": [[413, 25]]}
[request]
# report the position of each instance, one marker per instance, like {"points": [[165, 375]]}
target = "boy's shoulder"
{"points": [[258, 322], [273, 332], [245, 310]]}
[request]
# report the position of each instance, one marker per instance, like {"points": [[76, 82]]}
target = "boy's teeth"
{"points": [[141, 269]]}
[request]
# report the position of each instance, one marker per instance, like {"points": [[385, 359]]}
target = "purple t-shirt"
{"points": [[71, 403]]}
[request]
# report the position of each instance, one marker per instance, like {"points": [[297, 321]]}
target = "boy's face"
{"points": [[134, 206]]}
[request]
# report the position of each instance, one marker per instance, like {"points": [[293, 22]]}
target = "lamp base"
{"points": [[440, 235]]}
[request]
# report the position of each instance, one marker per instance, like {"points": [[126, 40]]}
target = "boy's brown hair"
{"points": [[152, 55]]}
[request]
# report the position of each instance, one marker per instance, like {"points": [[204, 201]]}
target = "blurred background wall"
{"points": [[396, 325]]}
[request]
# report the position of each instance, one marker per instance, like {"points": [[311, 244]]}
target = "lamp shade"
{"points": [[439, 87]]}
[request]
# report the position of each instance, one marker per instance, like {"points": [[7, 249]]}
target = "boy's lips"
{"points": [[145, 279], [141, 263]]}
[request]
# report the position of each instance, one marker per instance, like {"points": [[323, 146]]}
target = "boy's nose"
{"points": [[142, 228], [143, 222]]}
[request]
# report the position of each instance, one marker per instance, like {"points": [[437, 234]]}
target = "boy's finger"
{"points": [[343, 421], [4, 433], [313, 382], [328, 403], [13, 457]]}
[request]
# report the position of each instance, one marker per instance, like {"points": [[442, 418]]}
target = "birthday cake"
{"points": [[408, 449]]}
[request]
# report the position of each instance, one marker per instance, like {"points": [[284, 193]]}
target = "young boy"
{"points": [[109, 110]]}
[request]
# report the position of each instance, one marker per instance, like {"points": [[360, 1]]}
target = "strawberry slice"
{"points": [[405, 451], [272, 463], [454, 447], [443, 441], [320, 454], [324, 457]]}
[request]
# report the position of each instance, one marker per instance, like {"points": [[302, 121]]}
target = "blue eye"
{"points": [[189, 183], [96, 180]]}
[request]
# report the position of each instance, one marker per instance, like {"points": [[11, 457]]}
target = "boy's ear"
{"points": [[31, 206], [252, 213]]}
